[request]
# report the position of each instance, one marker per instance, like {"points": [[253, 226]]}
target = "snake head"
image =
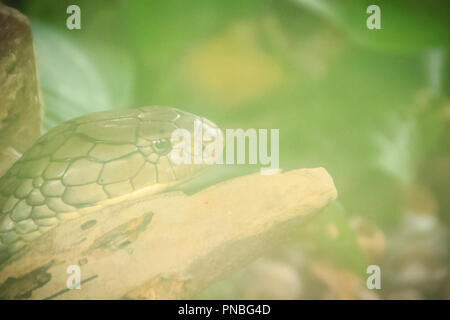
{"points": [[180, 144]]}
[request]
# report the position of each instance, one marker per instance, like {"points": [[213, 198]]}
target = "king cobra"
{"points": [[90, 162]]}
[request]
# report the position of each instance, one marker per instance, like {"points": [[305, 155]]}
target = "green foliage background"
{"points": [[344, 97]]}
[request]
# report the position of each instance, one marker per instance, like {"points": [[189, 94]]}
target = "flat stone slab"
{"points": [[171, 245]]}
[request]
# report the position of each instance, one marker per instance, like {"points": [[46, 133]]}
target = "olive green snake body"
{"points": [[84, 163]]}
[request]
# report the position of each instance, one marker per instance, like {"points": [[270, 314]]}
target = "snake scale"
{"points": [[87, 162]]}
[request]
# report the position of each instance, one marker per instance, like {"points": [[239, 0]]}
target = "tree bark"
{"points": [[19, 94]]}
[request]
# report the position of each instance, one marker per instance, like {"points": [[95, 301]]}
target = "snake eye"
{"points": [[161, 146]]}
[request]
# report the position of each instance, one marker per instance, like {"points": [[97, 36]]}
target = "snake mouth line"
{"points": [[146, 191]]}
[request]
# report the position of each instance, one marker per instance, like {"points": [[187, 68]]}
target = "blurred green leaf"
{"points": [[406, 25], [75, 81]]}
